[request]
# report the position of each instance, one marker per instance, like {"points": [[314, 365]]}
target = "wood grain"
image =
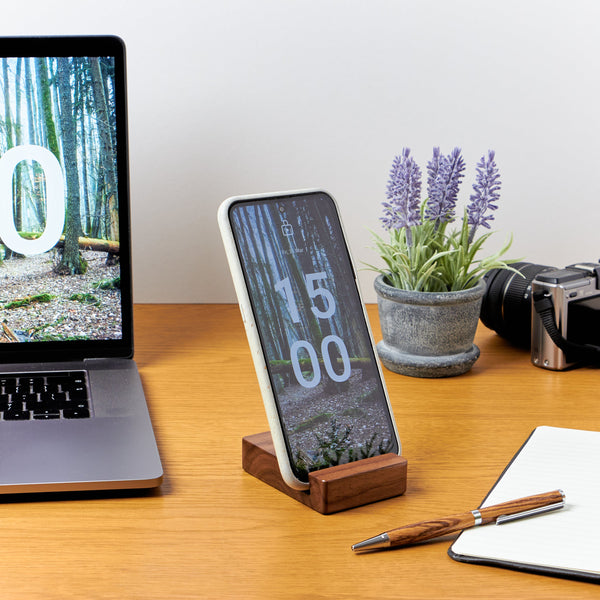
{"points": [[334, 489], [213, 531], [426, 530], [491, 513]]}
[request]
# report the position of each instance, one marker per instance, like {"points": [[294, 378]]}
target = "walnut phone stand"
{"points": [[333, 489]]}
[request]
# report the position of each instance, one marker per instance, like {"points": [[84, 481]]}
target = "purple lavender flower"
{"points": [[433, 167], [487, 193], [403, 193], [445, 174]]}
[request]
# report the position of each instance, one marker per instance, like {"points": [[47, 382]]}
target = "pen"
{"points": [[501, 513]]}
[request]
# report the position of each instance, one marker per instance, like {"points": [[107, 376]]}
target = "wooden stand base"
{"points": [[334, 489]]}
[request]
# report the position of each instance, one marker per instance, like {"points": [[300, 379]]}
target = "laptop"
{"points": [[73, 415]]}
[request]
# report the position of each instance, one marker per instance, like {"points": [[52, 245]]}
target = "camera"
{"points": [[555, 312]]}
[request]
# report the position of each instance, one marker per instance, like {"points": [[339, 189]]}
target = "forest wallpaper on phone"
{"points": [[311, 324]]}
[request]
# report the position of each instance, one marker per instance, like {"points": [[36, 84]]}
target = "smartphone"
{"points": [[313, 352]]}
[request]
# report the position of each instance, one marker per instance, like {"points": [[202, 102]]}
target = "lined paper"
{"points": [[568, 539]]}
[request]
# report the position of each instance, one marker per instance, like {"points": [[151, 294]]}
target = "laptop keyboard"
{"points": [[44, 396]]}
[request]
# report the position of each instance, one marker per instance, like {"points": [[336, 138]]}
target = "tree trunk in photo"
{"points": [[18, 130], [85, 243], [46, 101], [72, 263], [35, 136], [107, 155], [80, 119], [8, 123], [113, 218]]}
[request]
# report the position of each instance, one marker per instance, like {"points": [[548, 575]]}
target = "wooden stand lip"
{"points": [[333, 489]]}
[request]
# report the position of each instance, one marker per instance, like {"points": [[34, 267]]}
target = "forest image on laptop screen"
{"points": [[59, 217]]}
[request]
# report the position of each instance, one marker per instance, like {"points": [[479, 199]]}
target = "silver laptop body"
{"points": [[64, 108]]}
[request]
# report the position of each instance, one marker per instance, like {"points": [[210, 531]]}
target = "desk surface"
{"points": [[212, 531]]}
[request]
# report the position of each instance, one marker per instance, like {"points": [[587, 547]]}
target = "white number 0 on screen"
{"points": [[316, 369], [55, 200]]}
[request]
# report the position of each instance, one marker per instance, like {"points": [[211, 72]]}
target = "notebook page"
{"points": [[553, 458]]}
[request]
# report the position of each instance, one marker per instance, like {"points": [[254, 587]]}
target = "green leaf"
{"points": [[436, 259]]}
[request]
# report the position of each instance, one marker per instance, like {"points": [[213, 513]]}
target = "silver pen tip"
{"points": [[374, 543]]}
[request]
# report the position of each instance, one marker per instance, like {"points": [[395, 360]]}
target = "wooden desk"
{"points": [[212, 531]]}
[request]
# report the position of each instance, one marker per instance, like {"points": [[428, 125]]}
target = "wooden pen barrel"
{"points": [[426, 530], [491, 513]]}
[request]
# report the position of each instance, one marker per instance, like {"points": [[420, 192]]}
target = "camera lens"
{"points": [[506, 306]]}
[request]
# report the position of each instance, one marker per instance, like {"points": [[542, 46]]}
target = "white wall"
{"points": [[237, 96]]}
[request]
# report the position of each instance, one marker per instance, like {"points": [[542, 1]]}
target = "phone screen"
{"points": [[309, 316]]}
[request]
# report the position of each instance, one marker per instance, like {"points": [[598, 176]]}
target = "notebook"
{"points": [[562, 543], [73, 415]]}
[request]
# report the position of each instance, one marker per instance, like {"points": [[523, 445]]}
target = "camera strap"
{"points": [[578, 352]]}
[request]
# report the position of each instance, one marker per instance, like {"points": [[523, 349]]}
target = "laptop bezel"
{"points": [[97, 46]]}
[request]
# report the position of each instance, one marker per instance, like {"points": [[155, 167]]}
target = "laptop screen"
{"points": [[64, 247]]}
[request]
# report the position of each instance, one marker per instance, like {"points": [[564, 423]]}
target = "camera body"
{"points": [[572, 291], [555, 312]]}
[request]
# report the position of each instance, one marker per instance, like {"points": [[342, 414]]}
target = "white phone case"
{"points": [[254, 339]]}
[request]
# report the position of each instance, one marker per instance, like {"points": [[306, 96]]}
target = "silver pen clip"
{"points": [[529, 513]]}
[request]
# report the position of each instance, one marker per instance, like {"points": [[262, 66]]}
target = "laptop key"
{"points": [[32, 383], [75, 405], [46, 414], [78, 393], [17, 415], [53, 397], [9, 385], [76, 413], [23, 398], [40, 405]]}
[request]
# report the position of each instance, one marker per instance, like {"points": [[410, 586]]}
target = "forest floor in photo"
{"points": [[67, 306], [310, 414]]}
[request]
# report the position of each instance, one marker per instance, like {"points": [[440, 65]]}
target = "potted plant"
{"points": [[430, 291]]}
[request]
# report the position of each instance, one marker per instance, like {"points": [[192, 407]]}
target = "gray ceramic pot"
{"points": [[428, 334]]}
